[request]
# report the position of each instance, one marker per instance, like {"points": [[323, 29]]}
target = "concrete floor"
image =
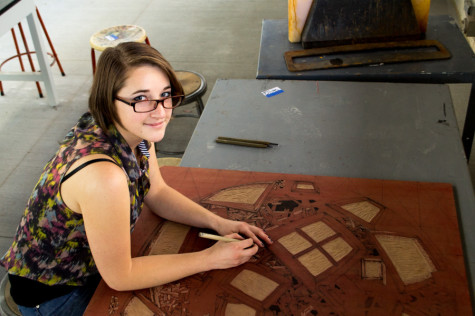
{"points": [[217, 38]]}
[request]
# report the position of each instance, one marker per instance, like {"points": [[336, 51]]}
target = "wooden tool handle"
{"points": [[240, 143]]}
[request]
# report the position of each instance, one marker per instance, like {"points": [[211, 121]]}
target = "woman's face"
{"points": [[143, 82]]}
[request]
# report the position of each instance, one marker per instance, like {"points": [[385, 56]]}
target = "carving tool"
{"points": [[216, 237], [245, 142]]}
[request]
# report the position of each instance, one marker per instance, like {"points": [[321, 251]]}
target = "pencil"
{"points": [[216, 237]]}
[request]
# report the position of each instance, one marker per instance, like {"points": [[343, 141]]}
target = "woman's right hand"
{"points": [[223, 255]]}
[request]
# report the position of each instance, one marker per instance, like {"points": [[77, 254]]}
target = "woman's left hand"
{"points": [[259, 236]]}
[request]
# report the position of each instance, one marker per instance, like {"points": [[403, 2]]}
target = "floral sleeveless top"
{"points": [[50, 245]]}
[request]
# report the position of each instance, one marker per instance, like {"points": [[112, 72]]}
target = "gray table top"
{"points": [[459, 68], [345, 129]]}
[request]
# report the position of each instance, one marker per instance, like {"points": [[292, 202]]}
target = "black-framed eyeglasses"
{"points": [[144, 106]]}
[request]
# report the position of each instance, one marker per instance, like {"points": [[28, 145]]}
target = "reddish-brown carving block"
{"points": [[341, 245]]}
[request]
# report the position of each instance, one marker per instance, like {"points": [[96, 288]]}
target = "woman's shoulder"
{"points": [[90, 178]]}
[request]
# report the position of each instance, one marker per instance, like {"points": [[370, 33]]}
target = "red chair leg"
{"points": [[28, 53], [93, 60], [17, 50], [50, 43], [18, 54]]}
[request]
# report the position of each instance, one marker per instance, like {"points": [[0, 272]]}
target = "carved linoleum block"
{"points": [[342, 246]]}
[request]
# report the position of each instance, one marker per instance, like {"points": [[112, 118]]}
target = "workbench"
{"points": [[13, 12], [389, 131], [460, 68]]}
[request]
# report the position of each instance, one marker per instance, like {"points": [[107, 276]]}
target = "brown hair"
{"points": [[111, 73]]}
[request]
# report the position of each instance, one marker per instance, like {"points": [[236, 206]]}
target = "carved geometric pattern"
{"points": [[136, 307], [239, 310], [373, 269], [338, 248], [411, 261], [294, 243], [305, 186], [248, 194], [345, 247], [170, 239], [315, 262], [254, 284], [364, 210], [318, 231]]}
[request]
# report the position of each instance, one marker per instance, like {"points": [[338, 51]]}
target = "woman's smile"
{"points": [[156, 125]]}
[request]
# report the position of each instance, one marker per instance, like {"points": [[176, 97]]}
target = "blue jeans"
{"points": [[71, 304]]}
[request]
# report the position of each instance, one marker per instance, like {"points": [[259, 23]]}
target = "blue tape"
{"points": [[271, 92]]}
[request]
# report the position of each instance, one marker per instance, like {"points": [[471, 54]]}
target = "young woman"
{"points": [[79, 217]]}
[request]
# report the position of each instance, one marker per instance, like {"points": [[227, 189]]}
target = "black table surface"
{"points": [[460, 68]]}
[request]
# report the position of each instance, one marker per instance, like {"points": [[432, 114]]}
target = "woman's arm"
{"points": [[101, 194], [108, 233], [166, 202]]}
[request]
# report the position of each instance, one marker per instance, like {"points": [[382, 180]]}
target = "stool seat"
{"points": [[114, 35], [189, 80], [194, 86], [7, 305]]}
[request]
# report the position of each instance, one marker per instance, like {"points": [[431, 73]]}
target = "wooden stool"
{"points": [[28, 53], [112, 36], [7, 305], [194, 86]]}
